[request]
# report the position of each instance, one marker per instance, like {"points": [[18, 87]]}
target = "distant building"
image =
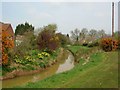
{"points": [[7, 27], [19, 39]]}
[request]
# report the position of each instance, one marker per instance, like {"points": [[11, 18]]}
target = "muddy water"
{"points": [[66, 63]]}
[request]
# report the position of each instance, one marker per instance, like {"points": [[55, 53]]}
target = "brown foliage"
{"points": [[47, 41], [7, 43], [109, 44]]}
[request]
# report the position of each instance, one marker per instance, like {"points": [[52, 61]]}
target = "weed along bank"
{"points": [[63, 62]]}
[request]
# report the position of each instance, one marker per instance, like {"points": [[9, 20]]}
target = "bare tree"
{"points": [[93, 33], [101, 33], [83, 33], [75, 34]]}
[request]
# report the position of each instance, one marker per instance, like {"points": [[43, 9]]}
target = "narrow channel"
{"points": [[61, 66]]}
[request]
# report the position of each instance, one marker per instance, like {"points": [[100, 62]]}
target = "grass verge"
{"points": [[100, 72]]}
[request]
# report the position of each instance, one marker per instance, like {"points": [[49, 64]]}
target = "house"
{"points": [[21, 38], [8, 28]]}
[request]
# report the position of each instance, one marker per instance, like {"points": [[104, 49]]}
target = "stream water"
{"points": [[61, 66]]}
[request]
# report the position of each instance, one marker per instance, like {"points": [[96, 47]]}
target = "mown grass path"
{"points": [[100, 72]]}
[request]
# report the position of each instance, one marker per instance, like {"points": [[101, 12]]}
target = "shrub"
{"points": [[34, 52], [109, 44], [118, 40], [40, 56], [22, 28], [42, 64], [25, 60], [43, 54], [7, 44], [115, 44], [47, 41], [119, 44], [63, 39], [95, 43], [85, 44]]}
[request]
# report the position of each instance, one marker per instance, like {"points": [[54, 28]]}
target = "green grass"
{"points": [[0, 70], [100, 72], [74, 49]]}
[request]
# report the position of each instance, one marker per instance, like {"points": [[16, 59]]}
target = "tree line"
{"points": [[84, 33]]}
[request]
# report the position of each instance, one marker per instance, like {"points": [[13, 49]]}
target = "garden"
{"points": [[33, 53]]}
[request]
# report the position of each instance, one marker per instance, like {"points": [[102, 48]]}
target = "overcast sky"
{"points": [[67, 15], [119, 16]]}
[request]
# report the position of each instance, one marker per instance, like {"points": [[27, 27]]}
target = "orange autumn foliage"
{"points": [[7, 43], [109, 44]]}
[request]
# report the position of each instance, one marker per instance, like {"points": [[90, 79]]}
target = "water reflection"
{"points": [[69, 64]]}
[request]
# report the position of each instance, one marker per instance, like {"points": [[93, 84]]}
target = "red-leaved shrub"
{"points": [[109, 44]]}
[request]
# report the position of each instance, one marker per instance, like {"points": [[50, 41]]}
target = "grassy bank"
{"points": [[100, 72], [75, 49], [35, 61]]}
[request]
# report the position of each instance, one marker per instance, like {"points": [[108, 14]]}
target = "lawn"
{"points": [[100, 72], [74, 49]]}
